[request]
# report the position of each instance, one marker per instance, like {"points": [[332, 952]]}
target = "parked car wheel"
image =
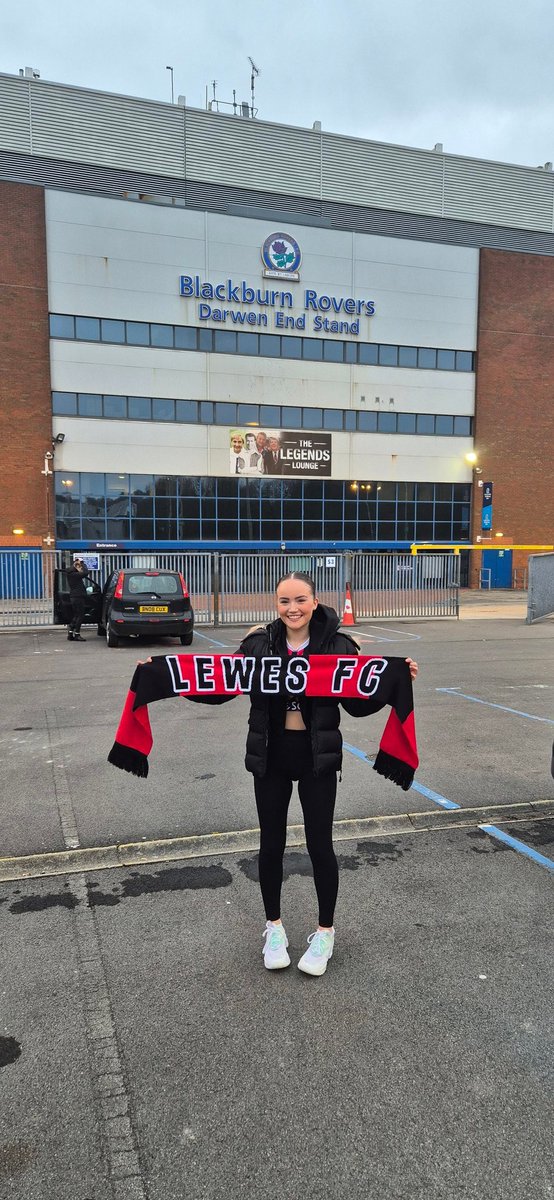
{"points": [[186, 639], [111, 638]]}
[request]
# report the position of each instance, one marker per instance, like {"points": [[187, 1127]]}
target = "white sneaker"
{"points": [[275, 947], [320, 950]]}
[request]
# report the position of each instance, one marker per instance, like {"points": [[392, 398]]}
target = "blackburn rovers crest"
{"points": [[281, 256]]}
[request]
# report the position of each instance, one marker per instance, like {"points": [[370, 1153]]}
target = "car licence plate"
{"points": [[153, 608]]}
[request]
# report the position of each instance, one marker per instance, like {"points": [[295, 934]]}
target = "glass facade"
{"points": [[189, 509]]}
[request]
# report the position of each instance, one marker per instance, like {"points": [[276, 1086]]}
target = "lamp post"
{"points": [[170, 69]]}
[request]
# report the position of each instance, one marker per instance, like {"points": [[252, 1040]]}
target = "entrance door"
{"points": [[499, 562]]}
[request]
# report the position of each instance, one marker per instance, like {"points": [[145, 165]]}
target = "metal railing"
{"points": [[239, 588]]}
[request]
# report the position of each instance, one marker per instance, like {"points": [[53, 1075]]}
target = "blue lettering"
{"points": [[220, 291], [204, 312], [310, 299], [232, 292], [185, 285]]}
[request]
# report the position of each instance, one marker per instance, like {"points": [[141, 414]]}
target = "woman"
{"points": [[298, 740]]}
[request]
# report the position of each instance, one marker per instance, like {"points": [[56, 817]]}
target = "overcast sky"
{"points": [[476, 76]]}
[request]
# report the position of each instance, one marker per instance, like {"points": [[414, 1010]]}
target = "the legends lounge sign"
{"points": [[238, 305], [287, 452]]}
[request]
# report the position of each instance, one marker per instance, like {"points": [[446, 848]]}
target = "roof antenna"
{"points": [[255, 72]]}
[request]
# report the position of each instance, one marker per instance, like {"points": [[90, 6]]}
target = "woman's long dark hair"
{"points": [[301, 576]]}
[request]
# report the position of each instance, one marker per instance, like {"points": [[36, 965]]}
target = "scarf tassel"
{"points": [[393, 768], [129, 760]]}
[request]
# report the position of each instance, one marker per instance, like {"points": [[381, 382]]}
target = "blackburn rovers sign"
{"points": [[236, 304]]}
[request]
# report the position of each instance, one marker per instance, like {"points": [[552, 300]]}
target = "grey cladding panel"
{"points": [[14, 115], [109, 130], [383, 176], [498, 193], [251, 154]]}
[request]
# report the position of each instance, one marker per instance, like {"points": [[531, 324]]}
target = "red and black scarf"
{"points": [[373, 680]]}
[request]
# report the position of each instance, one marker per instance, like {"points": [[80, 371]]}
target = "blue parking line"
{"points": [[416, 787], [516, 711], [211, 639], [515, 844]]}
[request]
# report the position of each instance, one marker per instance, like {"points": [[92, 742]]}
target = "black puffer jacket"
{"points": [[321, 715]]}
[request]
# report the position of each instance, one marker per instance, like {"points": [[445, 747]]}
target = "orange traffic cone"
{"points": [[348, 614]]}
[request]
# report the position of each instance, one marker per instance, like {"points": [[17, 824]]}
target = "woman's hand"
{"points": [[413, 667]]}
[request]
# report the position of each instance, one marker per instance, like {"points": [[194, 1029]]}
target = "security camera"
{"points": [[48, 454], [58, 439], [478, 470]]}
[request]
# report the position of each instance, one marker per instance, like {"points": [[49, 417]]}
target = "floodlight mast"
{"points": [[255, 71]]}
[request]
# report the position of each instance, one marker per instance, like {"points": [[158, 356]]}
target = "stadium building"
{"points": [[220, 332]]}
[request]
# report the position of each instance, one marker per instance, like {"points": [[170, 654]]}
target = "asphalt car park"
{"points": [[145, 1050]]}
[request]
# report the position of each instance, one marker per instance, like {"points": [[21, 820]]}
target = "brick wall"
{"points": [[25, 405], [514, 410]]}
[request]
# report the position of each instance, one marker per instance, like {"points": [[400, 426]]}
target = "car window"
{"points": [[164, 585]]}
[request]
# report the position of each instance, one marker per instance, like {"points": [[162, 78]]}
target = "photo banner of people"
{"points": [[279, 452]]}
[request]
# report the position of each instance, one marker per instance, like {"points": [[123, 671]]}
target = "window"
{"points": [[248, 414], [225, 414], [138, 333], [270, 345], [388, 356], [141, 485], [270, 414], [207, 412], [62, 327], [291, 347], [312, 348], [87, 329], [406, 423], [140, 408], [444, 426], [333, 351], [332, 418], [462, 426], [185, 339], [162, 335], [367, 422], [90, 405], [425, 423], [247, 343], [350, 352], [163, 410], [407, 356], [115, 407], [368, 353], [426, 358], [446, 360], [225, 341], [312, 418], [464, 360], [112, 331], [291, 417], [205, 340], [64, 404], [349, 420], [187, 410], [386, 422]]}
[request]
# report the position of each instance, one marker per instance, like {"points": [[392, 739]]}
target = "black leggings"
{"points": [[290, 758]]}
